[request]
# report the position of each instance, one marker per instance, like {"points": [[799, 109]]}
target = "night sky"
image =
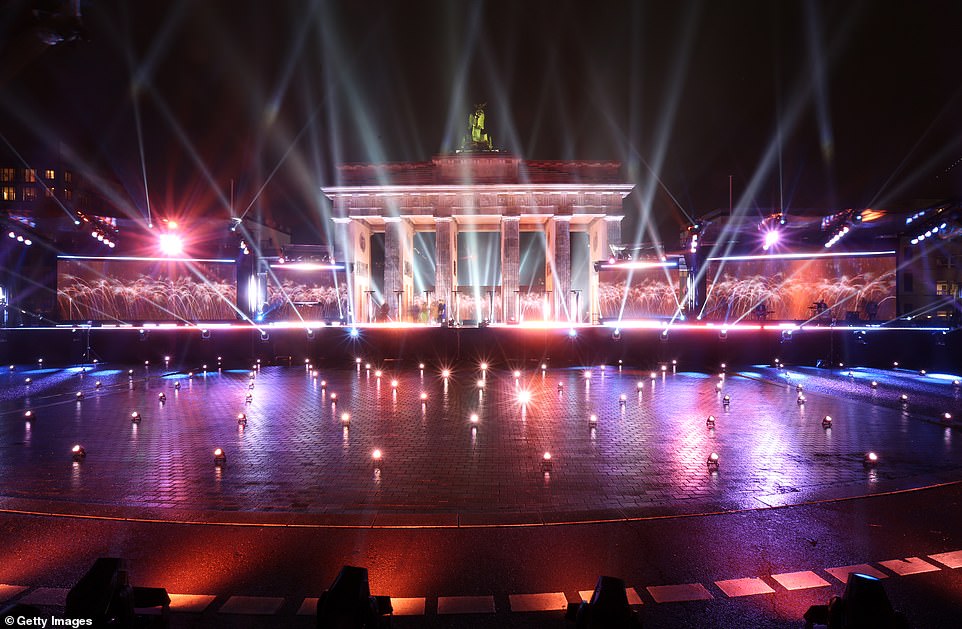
{"points": [[822, 105]]}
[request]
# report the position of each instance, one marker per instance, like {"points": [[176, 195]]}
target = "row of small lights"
{"points": [[19, 238]]}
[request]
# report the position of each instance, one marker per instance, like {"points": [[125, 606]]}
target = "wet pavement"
{"points": [[468, 449], [252, 544]]}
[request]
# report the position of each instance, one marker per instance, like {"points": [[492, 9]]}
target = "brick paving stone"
{"points": [[255, 605], [744, 587], [465, 605], [841, 573], [408, 606], [801, 580], [679, 593], [550, 601], [951, 559], [912, 565], [190, 603], [633, 598], [9, 591]]}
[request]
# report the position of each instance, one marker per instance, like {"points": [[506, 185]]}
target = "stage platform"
{"points": [[641, 344]]}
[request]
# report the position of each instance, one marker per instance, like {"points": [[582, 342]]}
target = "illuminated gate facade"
{"points": [[475, 191]]}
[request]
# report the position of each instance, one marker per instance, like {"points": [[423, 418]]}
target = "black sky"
{"points": [[805, 105]]}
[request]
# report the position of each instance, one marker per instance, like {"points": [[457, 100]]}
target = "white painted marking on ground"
{"points": [[308, 607], [254, 605], [633, 598], [190, 603], [9, 591], [549, 601], [912, 565], [679, 593], [407, 606], [465, 605], [744, 587], [46, 596], [952, 559], [841, 573], [802, 580]]}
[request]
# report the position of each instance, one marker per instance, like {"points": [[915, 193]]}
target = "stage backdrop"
{"points": [[638, 293], [145, 289], [315, 294], [790, 288]]}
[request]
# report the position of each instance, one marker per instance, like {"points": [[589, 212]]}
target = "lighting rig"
{"points": [[936, 222], [839, 225]]}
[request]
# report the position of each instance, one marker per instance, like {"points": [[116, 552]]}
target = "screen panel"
{"points": [[145, 289]]}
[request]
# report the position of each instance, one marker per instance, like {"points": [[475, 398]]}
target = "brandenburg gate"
{"points": [[477, 188]]}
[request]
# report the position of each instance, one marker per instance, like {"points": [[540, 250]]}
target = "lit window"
{"points": [[67, 176], [7, 174], [8, 193], [30, 175], [49, 192], [29, 193], [942, 288], [68, 194], [49, 173]]}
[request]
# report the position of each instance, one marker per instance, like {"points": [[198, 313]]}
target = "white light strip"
{"points": [[804, 256], [308, 266], [639, 265], [137, 259], [518, 188]]}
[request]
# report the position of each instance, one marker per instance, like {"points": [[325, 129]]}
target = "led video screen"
{"points": [[312, 294], [638, 293], [795, 289], [145, 289]]}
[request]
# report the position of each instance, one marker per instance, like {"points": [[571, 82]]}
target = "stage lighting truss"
{"points": [[937, 222], [102, 228], [839, 225]]}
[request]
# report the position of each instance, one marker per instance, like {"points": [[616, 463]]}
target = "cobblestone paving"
{"points": [[645, 455]]}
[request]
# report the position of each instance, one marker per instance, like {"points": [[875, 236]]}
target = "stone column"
{"points": [[613, 224], [558, 265], [445, 276], [510, 266], [393, 264]]}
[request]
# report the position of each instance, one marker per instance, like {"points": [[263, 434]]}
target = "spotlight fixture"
{"points": [[947, 418], [640, 385], [956, 383], [710, 422], [623, 399], [726, 401], [249, 398], [394, 384], [79, 452], [376, 457], [827, 421], [220, 458], [800, 400], [921, 372], [592, 419], [334, 398], [80, 395], [98, 384], [474, 418], [561, 386], [864, 604], [177, 386], [323, 384], [377, 373], [161, 397], [874, 384], [27, 381], [544, 366], [345, 418], [135, 417], [517, 374], [871, 459], [424, 396], [546, 461], [445, 373], [904, 399], [712, 461], [420, 365], [799, 388], [484, 366], [28, 416], [587, 375], [241, 419], [480, 384]]}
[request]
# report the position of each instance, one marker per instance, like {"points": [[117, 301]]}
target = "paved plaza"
{"points": [[461, 521], [469, 448]]}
